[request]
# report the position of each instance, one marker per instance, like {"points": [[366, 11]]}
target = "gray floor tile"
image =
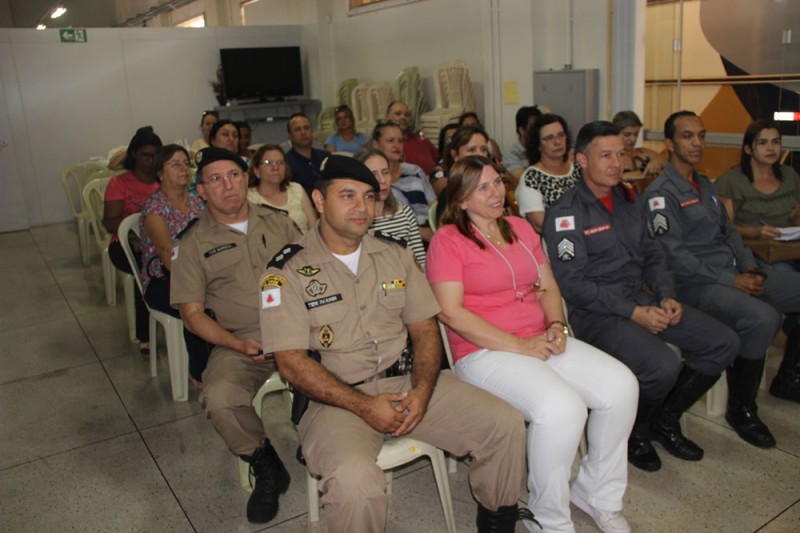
{"points": [[19, 251], [787, 522], [112, 486], [33, 350], [58, 241], [148, 400], [27, 279], [30, 305], [58, 411], [107, 330]]}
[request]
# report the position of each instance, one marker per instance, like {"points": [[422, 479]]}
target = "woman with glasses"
{"points": [[346, 139], [507, 332], [271, 184], [207, 122], [125, 195], [552, 172]]}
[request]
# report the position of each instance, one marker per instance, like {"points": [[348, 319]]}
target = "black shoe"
{"points": [[744, 420], [271, 480], [669, 434], [503, 520], [744, 377], [786, 387], [642, 455]]}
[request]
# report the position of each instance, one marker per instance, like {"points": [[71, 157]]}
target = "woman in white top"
{"points": [[271, 184], [552, 172], [391, 218]]}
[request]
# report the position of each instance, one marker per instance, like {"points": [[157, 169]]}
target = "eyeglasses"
{"points": [[177, 165], [274, 163], [550, 138], [234, 177]]}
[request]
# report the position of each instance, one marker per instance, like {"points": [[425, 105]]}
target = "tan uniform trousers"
{"points": [[230, 382], [341, 449]]}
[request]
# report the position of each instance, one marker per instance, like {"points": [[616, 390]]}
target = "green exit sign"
{"points": [[72, 35]]}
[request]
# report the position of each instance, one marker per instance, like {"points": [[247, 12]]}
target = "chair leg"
{"points": [[153, 325], [130, 304], [109, 279], [717, 398], [443, 485], [313, 498], [178, 359], [83, 240], [244, 475], [452, 464]]}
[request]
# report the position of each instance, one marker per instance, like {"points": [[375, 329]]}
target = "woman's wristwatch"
{"points": [[564, 327]]}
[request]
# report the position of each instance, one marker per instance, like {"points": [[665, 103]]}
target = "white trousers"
{"points": [[553, 396]]}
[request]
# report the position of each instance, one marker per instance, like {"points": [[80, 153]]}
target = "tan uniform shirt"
{"points": [[357, 322], [218, 266]]}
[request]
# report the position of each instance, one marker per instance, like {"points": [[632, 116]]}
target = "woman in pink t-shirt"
{"points": [[125, 195], [506, 328]]}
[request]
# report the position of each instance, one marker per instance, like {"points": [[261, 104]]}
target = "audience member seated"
{"points": [[417, 149], [445, 134], [245, 140], [507, 332], [225, 134], [603, 257], [125, 196], [470, 118], [515, 159], [346, 139], [715, 273], [304, 160], [216, 270], [271, 184], [391, 218], [410, 185], [639, 163], [360, 392], [207, 121], [552, 171], [165, 214]]}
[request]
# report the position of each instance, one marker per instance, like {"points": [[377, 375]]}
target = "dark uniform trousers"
{"points": [[601, 262], [706, 253]]}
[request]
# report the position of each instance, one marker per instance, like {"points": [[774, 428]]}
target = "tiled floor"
{"points": [[88, 442]]}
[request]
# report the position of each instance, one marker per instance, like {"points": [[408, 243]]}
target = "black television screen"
{"points": [[262, 73]]}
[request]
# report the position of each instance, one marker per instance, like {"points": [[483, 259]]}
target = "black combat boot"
{"points": [[744, 377], [271, 480], [666, 427], [641, 453], [503, 520], [786, 384]]}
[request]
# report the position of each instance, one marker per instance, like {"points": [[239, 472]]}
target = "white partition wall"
{"points": [[67, 102]]}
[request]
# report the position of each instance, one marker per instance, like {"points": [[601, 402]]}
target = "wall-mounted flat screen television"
{"points": [[262, 73]]}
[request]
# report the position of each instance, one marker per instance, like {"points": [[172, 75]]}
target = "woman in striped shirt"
{"points": [[391, 218]]}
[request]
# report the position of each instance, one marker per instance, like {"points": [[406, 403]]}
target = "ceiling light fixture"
{"points": [[41, 27], [60, 10]]}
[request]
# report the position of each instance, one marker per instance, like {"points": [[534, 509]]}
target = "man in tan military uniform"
{"points": [[355, 299], [216, 265]]}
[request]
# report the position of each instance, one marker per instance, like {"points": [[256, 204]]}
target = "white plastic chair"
{"points": [[74, 178], [93, 194], [177, 355], [274, 383], [397, 452], [454, 95], [380, 96], [717, 396], [362, 110]]}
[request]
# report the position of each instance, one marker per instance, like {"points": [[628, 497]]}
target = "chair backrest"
{"points": [[131, 224], [409, 91], [326, 121], [380, 96], [93, 197], [74, 178], [432, 222], [361, 108], [455, 85], [447, 352], [344, 93]]}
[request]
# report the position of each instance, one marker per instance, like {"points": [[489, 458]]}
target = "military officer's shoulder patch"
{"points": [[566, 250], [187, 228], [659, 224], [391, 238], [286, 253]]}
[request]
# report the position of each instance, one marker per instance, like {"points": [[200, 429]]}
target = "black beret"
{"points": [[336, 167], [211, 154]]}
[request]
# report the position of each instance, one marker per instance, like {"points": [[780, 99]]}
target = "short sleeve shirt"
{"points": [[356, 321], [130, 191], [754, 208], [157, 204], [220, 267], [547, 188], [489, 278]]}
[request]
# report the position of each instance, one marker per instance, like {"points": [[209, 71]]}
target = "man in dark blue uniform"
{"points": [[715, 272], [602, 258]]}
